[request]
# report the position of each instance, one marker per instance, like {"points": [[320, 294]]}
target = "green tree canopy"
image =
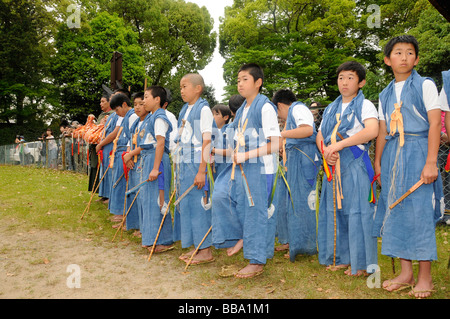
{"points": [[24, 60], [176, 38], [301, 43], [82, 62], [298, 43]]}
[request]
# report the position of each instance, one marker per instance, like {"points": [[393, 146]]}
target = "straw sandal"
{"points": [[413, 293], [402, 286]]}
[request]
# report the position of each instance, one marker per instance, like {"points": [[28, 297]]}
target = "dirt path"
{"points": [[35, 265]]}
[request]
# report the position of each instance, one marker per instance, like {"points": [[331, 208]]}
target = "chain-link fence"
{"points": [[58, 153]]}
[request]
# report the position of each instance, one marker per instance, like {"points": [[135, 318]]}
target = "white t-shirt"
{"points": [[368, 111], [430, 97], [173, 135], [270, 128], [206, 121], [302, 115], [132, 119], [161, 128]]}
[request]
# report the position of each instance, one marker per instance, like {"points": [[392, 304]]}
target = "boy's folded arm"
{"points": [[302, 131], [368, 133], [271, 147]]}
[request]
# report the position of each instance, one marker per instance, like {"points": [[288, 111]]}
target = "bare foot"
{"points": [[282, 247], [186, 256], [117, 218], [336, 267], [118, 225], [235, 249], [202, 256], [360, 272], [161, 248], [422, 289], [398, 283], [250, 271]]}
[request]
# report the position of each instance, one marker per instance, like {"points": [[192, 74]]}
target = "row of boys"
{"points": [[244, 198]]}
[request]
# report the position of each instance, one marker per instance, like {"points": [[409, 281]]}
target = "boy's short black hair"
{"points": [[223, 109], [255, 71], [284, 96], [353, 66], [123, 91], [401, 39], [158, 91], [168, 96], [138, 95], [118, 99], [235, 102]]}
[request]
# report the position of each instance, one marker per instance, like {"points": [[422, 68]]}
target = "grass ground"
{"points": [[47, 205]]}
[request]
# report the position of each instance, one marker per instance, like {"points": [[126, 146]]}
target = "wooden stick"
{"points": [[412, 189], [247, 188], [96, 177], [117, 182], [162, 222], [123, 220], [90, 200], [334, 216], [196, 250], [184, 195], [138, 186], [393, 265], [124, 217], [113, 154]]}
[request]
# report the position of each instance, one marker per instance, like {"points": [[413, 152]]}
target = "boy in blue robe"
{"points": [[222, 116], [406, 152], [155, 168], [345, 213], [302, 163], [110, 131], [257, 136], [192, 218], [121, 104], [226, 229], [132, 161]]}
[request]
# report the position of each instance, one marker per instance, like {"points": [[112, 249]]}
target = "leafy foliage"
{"points": [[301, 43], [82, 62]]}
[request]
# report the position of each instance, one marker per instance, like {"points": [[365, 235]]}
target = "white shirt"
{"points": [[368, 111], [119, 121], [132, 119], [302, 115], [270, 128], [161, 128], [206, 121], [430, 97], [173, 120]]}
